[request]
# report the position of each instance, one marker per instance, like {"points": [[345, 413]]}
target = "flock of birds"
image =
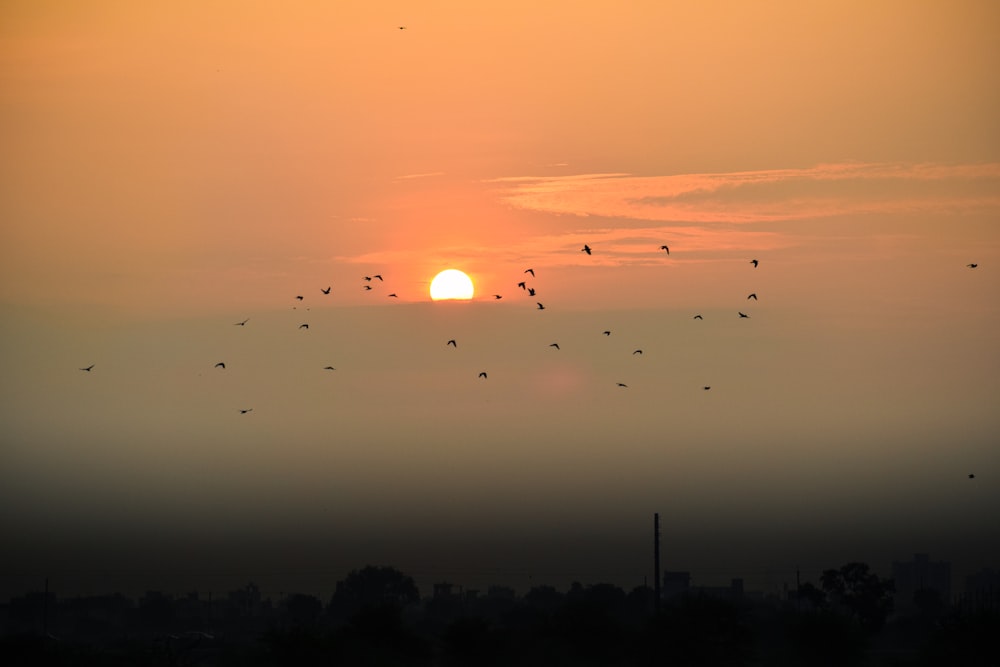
{"points": [[523, 285]]}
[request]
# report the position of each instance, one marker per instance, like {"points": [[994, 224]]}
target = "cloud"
{"points": [[410, 177], [762, 196]]}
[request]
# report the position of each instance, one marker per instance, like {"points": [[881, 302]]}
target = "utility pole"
{"points": [[656, 562]]}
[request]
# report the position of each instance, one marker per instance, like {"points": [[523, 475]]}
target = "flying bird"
{"points": [[483, 374], [367, 286], [220, 365], [241, 324], [663, 247], [706, 388], [402, 27], [971, 476], [325, 291], [637, 352], [88, 368], [300, 298], [585, 248], [497, 296], [377, 275], [752, 296], [972, 266], [555, 345], [394, 294], [452, 343], [329, 368], [368, 278], [754, 262], [744, 315], [607, 333], [540, 306], [531, 271], [521, 285], [244, 411], [697, 317], [531, 291], [303, 326], [622, 384]]}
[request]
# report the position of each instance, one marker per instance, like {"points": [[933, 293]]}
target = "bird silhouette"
{"points": [[555, 345], [622, 384], [377, 275], [663, 247], [744, 315], [637, 352], [220, 365], [367, 286], [972, 266], [368, 278], [971, 476], [483, 375], [531, 291], [394, 295], [521, 285], [531, 271], [88, 368], [606, 333], [244, 411], [540, 306], [303, 326], [585, 248], [325, 291], [300, 298], [402, 27], [697, 317], [497, 296], [752, 296], [452, 343], [329, 368], [706, 388], [241, 324], [754, 262]]}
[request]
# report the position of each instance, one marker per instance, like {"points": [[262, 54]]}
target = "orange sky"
{"points": [[178, 168]]}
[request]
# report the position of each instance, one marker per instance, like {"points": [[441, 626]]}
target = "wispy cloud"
{"points": [[410, 177], [762, 196]]}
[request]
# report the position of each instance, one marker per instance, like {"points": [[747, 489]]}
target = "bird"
{"points": [[531, 271], [971, 476], [241, 324], [300, 298], [452, 343], [744, 315], [585, 248], [329, 368], [555, 345], [394, 294], [220, 364], [368, 286], [531, 291], [521, 285], [483, 374], [663, 247], [402, 27], [622, 384], [637, 352], [325, 291], [379, 276], [368, 278], [754, 262], [497, 296], [88, 368], [972, 266], [246, 410], [697, 317], [706, 388], [752, 296], [606, 333], [540, 306], [303, 326]]}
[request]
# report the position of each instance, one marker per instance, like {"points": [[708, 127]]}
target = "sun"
{"points": [[451, 284]]}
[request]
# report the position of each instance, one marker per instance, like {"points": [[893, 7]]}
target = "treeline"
{"points": [[377, 617]]}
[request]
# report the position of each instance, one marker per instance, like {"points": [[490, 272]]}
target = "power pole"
{"points": [[656, 562]]}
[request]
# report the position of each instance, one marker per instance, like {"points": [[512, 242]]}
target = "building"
{"points": [[920, 574]]}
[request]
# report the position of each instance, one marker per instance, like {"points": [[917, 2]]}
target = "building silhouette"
{"points": [[920, 575]]}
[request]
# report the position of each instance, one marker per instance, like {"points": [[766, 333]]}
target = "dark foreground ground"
{"points": [[376, 617]]}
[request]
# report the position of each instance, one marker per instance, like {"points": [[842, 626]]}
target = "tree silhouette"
{"points": [[862, 593], [375, 586]]}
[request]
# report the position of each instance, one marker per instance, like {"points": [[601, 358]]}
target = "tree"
{"points": [[375, 586], [862, 593]]}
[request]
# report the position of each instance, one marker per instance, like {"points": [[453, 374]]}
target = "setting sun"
{"points": [[451, 284]]}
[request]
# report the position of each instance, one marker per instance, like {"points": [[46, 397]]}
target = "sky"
{"points": [[171, 171]]}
